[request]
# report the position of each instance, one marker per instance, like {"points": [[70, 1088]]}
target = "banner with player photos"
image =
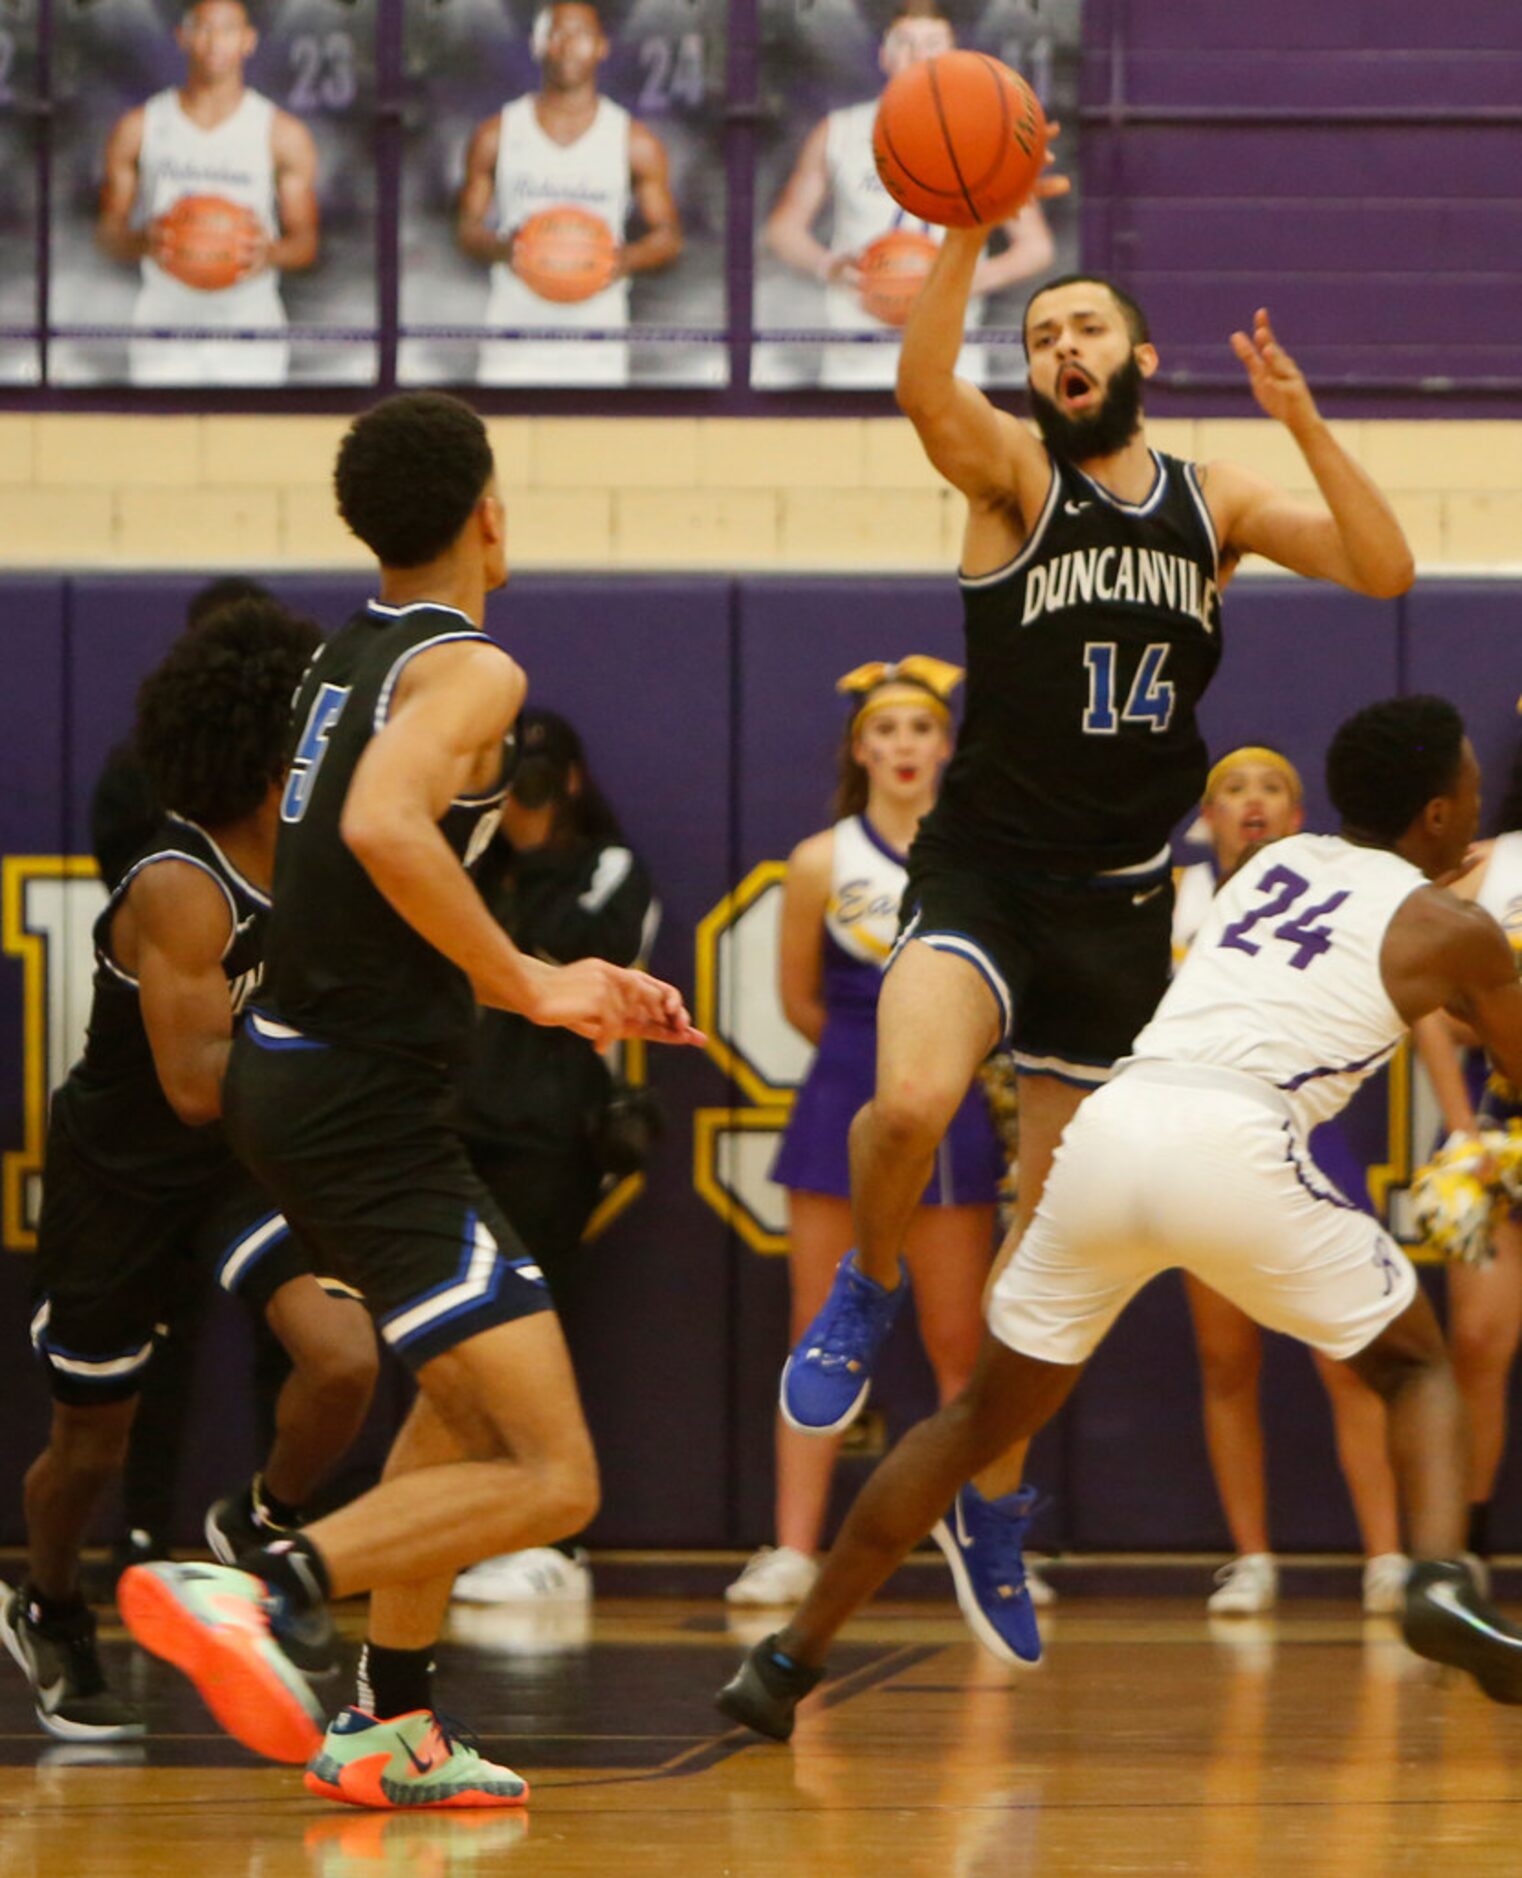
{"points": [[20, 354], [214, 214], [834, 252], [563, 193]]}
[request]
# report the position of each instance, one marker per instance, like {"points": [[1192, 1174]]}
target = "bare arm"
{"points": [[650, 169], [295, 151], [181, 923], [1444, 953], [114, 233], [1440, 1056], [451, 711], [1355, 539], [789, 227], [800, 971], [473, 230]]}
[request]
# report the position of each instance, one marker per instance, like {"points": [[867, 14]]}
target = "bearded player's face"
{"points": [[1085, 370]]}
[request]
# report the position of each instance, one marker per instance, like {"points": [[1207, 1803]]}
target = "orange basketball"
{"points": [[959, 140], [565, 254], [207, 245], [893, 270]]}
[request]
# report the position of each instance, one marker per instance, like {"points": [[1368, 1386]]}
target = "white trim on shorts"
{"points": [[960, 945]]}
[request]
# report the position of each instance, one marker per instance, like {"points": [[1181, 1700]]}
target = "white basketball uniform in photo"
{"points": [[236, 161], [1193, 890], [1194, 1153], [533, 173], [861, 210]]}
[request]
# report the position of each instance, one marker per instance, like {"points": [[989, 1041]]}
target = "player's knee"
{"points": [[905, 1118], [341, 1367], [90, 1443], [1481, 1346]]}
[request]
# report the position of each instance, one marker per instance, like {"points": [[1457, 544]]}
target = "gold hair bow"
{"points": [[938, 676]]}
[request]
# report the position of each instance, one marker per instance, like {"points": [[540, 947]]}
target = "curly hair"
{"points": [[1388, 762], [409, 472], [212, 719]]}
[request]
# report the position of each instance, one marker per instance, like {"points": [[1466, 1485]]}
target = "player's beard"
{"points": [[1100, 432]]}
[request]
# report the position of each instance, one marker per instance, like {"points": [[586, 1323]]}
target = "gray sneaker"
{"points": [[59, 1660]]}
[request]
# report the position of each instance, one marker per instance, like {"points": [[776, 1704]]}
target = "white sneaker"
{"points": [[774, 1575], [541, 1575], [1384, 1584], [1038, 1587], [1249, 1583]]}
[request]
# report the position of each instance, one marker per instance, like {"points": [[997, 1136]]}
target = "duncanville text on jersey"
{"points": [[1148, 577]]}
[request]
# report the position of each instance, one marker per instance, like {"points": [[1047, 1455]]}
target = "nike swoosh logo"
{"points": [[423, 1767], [51, 1696], [1149, 893], [962, 1539], [1075, 508]]}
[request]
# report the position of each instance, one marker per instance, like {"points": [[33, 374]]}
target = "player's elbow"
{"points": [[196, 1100], [369, 831], [1395, 576]]}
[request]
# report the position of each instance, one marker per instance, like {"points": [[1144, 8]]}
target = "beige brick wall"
{"points": [[854, 494]]}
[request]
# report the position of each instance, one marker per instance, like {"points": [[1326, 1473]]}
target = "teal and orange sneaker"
{"points": [[214, 1624], [413, 1762]]}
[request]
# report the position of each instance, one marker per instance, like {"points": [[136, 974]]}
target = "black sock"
{"points": [[393, 1682], [53, 1613], [268, 1511], [294, 1568], [1479, 1528]]}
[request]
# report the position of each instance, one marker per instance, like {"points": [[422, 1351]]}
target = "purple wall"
{"points": [[708, 708]]}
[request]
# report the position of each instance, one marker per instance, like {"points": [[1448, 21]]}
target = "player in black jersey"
{"points": [[340, 1094], [138, 1175], [1038, 904]]}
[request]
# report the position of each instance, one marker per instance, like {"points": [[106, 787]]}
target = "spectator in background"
{"points": [[840, 914], [1484, 1301], [548, 1127], [1254, 796]]}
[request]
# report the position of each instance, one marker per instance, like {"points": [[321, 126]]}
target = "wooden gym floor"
{"points": [[1151, 1740]]}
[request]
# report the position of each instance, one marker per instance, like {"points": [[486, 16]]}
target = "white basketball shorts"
{"points": [[1183, 1165]]}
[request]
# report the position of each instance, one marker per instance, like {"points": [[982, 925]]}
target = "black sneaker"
{"points": [[763, 1693], [1448, 1620], [72, 1701], [232, 1531]]}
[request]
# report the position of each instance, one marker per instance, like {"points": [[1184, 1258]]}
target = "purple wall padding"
{"points": [[709, 711]]}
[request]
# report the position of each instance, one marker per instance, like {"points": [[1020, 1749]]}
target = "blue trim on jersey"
{"points": [[1149, 502], [1338, 1069], [256, 894], [230, 1273], [265, 1041], [417, 606], [479, 1293]]}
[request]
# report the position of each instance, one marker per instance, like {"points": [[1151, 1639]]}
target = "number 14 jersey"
{"points": [[1283, 981], [1086, 657]]}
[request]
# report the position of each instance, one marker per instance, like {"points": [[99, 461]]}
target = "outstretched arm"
{"points": [[1355, 539]]}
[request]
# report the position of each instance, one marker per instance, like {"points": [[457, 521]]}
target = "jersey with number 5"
{"points": [[1086, 658], [1283, 980], [341, 964]]}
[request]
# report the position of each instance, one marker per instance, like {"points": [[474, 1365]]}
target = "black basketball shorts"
{"points": [[1076, 964], [110, 1259], [359, 1150]]}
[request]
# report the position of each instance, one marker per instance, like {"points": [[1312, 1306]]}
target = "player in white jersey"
{"points": [[1254, 795], [1484, 1300], [211, 136], [565, 145], [835, 170], [1316, 957]]}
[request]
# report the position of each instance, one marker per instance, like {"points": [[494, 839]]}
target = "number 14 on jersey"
{"points": [[1149, 701]]}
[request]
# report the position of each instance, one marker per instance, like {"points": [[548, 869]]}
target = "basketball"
{"points": [[208, 237], [893, 270], [565, 254], [959, 140]]}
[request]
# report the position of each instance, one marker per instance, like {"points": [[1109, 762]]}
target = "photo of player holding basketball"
{"points": [[551, 183], [211, 188], [839, 263], [213, 204], [563, 194]]}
